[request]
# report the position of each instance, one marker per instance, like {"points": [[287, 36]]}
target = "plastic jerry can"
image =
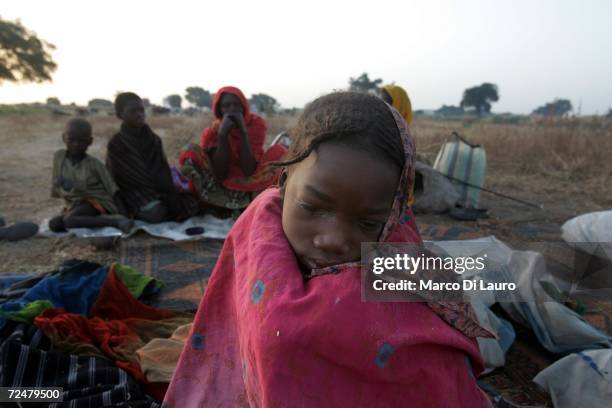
{"points": [[464, 164]]}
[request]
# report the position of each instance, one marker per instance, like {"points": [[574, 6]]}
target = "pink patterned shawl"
{"points": [[266, 337]]}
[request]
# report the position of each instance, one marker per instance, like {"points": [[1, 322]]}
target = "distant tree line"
{"points": [[558, 107], [477, 99]]}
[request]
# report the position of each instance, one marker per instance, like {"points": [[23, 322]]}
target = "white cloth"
{"points": [[558, 328], [213, 228], [592, 228], [580, 380]]}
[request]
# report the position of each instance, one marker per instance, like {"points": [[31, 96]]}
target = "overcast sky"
{"points": [[534, 51]]}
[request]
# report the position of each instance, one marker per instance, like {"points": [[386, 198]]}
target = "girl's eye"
{"points": [[307, 207], [369, 225]]}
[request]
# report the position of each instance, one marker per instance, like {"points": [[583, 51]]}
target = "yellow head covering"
{"points": [[401, 101]]}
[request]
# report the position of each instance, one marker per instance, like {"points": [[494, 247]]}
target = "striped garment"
{"points": [[27, 361]]}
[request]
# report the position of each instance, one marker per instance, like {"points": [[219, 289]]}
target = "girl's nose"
{"points": [[333, 241]]}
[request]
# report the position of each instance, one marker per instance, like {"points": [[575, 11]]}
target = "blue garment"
{"points": [[6, 281], [75, 288]]}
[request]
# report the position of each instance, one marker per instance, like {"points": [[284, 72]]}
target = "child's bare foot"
{"points": [[125, 225]]}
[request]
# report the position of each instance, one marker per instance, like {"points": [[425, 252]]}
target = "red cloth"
{"points": [[116, 302], [256, 129], [113, 339], [118, 326], [263, 177]]}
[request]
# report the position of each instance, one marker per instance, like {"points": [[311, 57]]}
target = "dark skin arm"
{"points": [[220, 156], [247, 158]]}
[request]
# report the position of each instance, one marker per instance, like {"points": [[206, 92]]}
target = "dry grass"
{"points": [[564, 164], [573, 148]]}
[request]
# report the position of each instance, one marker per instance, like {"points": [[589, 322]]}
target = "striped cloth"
{"points": [[26, 361]]}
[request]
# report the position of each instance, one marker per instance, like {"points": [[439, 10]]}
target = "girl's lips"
{"points": [[317, 263]]}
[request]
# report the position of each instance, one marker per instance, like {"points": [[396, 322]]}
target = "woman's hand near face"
{"points": [[226, 124], [238, 120]]}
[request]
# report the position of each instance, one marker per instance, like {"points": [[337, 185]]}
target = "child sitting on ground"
{"points": [[136, 160], [282, 322], [84, 183]]}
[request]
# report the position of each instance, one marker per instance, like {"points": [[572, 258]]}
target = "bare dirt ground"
{"points": [[564, 167]]}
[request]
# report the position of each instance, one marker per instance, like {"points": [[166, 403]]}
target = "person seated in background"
{"points": [[136, 160], [230, 167], [84, 183], [397, 97]]}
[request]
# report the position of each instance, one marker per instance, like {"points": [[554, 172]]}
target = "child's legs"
{"points": [[86, 216], [58, 223]]}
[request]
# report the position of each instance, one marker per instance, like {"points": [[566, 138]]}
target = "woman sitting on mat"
{"points": [[230, 167]]}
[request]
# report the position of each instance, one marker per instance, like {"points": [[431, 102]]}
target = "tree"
{"points": [[53, 101], [174, 101], [363, 83], [480, 97], [264, 103], [199, 97], [23, 56], [558, 107]]}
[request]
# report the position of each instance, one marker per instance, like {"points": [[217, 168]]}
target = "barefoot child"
{"points": [[84, 184], [282, 322]]}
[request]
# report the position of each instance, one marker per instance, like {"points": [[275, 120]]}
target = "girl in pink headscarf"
{"points": [[282, 322]]}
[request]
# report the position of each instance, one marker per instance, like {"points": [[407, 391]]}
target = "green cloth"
{"points": [[135, 281], [89, 180], [29, 311]]}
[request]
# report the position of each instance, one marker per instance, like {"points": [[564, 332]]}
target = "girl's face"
{"points": [[335, 199]]}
